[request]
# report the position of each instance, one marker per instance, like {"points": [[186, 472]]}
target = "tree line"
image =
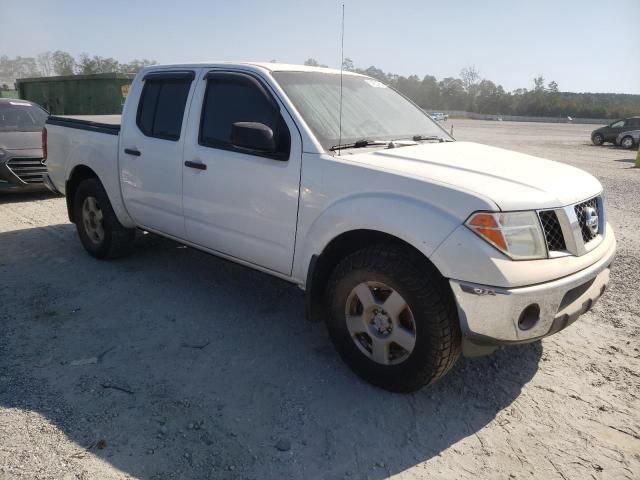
{"points": [[47, 64], [468, 92], [471, 93]]}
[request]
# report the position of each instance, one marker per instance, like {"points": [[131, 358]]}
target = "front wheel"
{"points": [[597, 139], [101, 234], [393, 319], [627, 142]]}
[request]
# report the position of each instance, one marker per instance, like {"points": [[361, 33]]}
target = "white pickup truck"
{"points": [[412, 247]]}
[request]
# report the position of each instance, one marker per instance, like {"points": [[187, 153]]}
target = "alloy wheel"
{"points": [[92, 220], [380, 322]]}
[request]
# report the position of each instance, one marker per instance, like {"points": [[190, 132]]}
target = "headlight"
{"points": [[516, 234]]}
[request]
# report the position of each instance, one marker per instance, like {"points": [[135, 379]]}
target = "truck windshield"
{"points": [[370, 109], [21, 116]]}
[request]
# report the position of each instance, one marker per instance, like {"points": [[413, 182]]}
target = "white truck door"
{"points": [[239, 201], [151, 144]]}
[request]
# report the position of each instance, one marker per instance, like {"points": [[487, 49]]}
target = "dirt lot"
{"points": [[174, 364]]}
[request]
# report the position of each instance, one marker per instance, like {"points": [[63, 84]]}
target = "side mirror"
{"points": [[253, 136]]}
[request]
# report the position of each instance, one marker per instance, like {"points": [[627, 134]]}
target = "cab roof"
{"points": [[268, 66]]}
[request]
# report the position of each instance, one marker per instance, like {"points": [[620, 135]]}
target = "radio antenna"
{"points": [[341, 67]]}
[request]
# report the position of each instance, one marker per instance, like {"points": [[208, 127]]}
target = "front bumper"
{"points": [[491, 317]]}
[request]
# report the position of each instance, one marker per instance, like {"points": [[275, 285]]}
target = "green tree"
{"points": [[62, 63], [375, 73], [452, 93], [429, 93], [347, 64], [489, 98], [470, 76], [45, 63], [134, 66], [87, 65], [18, 67], [312, 62]]}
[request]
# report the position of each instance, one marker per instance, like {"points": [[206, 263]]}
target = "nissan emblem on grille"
{"points": [[591, 220], [588, 218]]}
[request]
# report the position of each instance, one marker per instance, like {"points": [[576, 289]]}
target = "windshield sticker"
{"points": [[375, 83], [23, 104]]}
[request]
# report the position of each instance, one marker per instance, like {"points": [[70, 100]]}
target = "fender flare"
{"points": [[422, 225], [87, 172]]}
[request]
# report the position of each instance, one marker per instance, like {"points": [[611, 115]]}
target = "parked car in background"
{"points": [[439, 116], [21, 158], [609, 133], [628, 139]]}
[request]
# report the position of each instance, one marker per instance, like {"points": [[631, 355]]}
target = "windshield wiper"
{"points": [[418, 138], [358, 144], [388, 143]]}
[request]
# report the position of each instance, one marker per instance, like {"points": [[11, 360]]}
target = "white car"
{"points": [[439, 116], [412, 247], [628, 139]]}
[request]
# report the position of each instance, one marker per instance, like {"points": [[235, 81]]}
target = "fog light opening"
{"points": [[529, 317]]}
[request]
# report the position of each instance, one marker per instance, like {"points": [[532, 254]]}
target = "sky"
{"points": [[584, 45]]}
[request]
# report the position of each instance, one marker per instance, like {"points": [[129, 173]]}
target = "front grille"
{"points": [[552, 231], [29, 170], [581, 212]]}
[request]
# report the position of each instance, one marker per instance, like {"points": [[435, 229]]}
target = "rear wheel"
{"points": [[627, 142], [101, 234], [598, 139], [393, 321]]}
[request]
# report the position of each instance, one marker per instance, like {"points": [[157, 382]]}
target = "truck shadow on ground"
{"points": [[174, 364]]}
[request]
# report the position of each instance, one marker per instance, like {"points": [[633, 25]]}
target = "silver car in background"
{"points": [[21, 156], [439, 116], [628, 139]]}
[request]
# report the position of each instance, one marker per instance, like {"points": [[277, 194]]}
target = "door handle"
{"points": [[198, 165], [132, 151]]}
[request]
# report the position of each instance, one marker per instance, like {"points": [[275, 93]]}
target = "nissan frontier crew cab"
{"points": [[412, 247]]}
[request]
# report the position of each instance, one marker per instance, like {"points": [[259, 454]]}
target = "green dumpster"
{"points": [[99, 94], [8, 94]]}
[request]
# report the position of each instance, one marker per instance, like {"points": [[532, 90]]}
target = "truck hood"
{"points": [[20, 140], [512, 180]]}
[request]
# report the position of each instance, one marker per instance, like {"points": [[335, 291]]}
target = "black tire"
{"points": [[598, 139], [430, 300], [631, 143], [116, 240]]}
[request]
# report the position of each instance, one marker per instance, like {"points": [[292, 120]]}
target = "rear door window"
{"points": [[162, 105]]}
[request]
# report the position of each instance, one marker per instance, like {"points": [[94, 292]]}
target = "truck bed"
{"points": [[91, 141], [109, 124]]}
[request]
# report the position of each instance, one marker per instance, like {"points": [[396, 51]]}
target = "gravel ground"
{"points": [[174, 364]]}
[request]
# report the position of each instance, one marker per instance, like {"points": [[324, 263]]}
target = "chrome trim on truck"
{"points": [[572, 227]]}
